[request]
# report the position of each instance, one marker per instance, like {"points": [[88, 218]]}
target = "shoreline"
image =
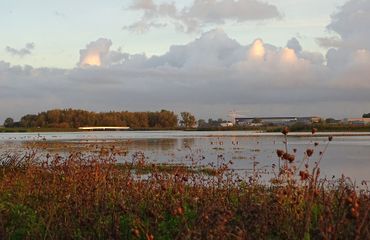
{"points": [[161, 134], [322, 129]]}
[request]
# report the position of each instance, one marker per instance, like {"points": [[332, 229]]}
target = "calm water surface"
{"points": [[348, 155]]}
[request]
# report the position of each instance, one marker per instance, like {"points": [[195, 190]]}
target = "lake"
{"points": [[347, 154]]}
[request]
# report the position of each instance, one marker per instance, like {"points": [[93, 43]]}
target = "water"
{"points": [[347, 154]]}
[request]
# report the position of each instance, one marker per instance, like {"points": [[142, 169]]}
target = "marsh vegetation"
{"points": [[87, 194]]}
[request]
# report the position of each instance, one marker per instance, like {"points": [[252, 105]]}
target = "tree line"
{"points": [[74, 118]]}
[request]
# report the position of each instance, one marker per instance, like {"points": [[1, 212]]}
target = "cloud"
{"points": [[26, 50], [294, 44], [59, 14], [214, 49], [143, 4], [98, 54], [208, 76], [327, 42], [313, 57], [143, 26], [350, 24], [213, 70], [200, 13]]}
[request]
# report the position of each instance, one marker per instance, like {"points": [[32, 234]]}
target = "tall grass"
{"points": [[92, 197]]}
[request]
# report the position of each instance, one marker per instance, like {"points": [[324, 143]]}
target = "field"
{"points": [[91, 196]]}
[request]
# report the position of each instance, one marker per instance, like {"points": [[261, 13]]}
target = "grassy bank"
{"points": [[25, 130], [47, 129], [324, 128], [92, 197]]}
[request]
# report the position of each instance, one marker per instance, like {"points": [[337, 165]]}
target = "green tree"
{"points": [[9, 122], [188, 120], [366, 115]]}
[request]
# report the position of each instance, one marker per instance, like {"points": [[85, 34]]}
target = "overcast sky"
{"points": [[261, 57]]}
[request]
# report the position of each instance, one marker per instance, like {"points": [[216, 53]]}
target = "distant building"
{"points": [[358, 121], [333, 121], [278, 121], [309, 120], [266, 120], [103, 128], [226, 124]]}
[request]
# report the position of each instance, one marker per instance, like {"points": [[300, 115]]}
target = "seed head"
{"points": [[304, 175], [135, 232], [309, 152], [291, 158], [149, 236], [285, 130], [180, 211], [279, 153]]}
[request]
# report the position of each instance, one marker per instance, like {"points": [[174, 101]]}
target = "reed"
{"points": [[90, 196]]}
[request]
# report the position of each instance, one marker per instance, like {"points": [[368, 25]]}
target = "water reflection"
{"points": [[345, 155]]}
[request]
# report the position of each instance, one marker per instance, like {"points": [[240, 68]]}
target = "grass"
{"points": [[91, 196], [44, 129], [323, 128]]}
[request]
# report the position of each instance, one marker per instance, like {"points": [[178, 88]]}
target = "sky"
{"points": [[259, 57]]}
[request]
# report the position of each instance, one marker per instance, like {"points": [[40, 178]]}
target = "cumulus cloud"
{"points": [[26, 50], [351, 26], [313, 57], [200, 13], [351, 23], [349, 48], [98, 54], [294, 44]]}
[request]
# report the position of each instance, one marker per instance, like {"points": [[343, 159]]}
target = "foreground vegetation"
{"points": [[79, 196]]}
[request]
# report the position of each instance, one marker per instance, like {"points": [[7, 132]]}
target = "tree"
{"points": [[9, 122], [366, 115], [330, 120], [188, 120], [167, 119], [215, 123], [74, 118], [256, 120], [28, 120], [202, 123]]}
